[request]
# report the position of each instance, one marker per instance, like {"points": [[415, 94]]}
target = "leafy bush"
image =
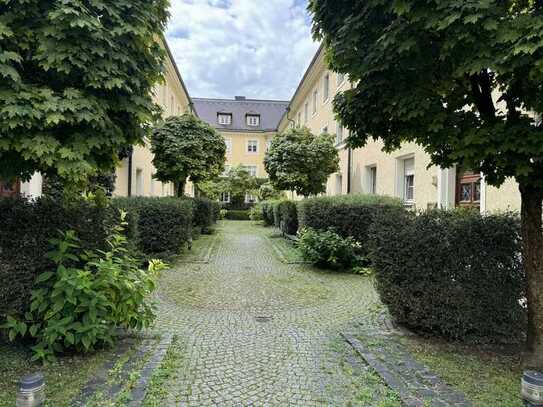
{"points": [[328, 249], [79, 305], [256, 213], [348, 215], [203, 213], [456, 274], [26, 228], [288, 217], [159, 226], [216, 209], [237, 215], [267, 213]]}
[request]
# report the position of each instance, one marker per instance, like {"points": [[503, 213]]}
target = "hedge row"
{"points": [[455, 274], [27, 227], [158, 226], [237, 215]]}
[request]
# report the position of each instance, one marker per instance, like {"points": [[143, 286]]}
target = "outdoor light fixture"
{"points": [[31, 392], [532, 388]]}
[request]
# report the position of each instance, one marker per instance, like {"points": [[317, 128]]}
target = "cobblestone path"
{"points": [[256, 331]]}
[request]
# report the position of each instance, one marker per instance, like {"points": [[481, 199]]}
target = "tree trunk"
{"points": [[532, 252], [180, 189]]}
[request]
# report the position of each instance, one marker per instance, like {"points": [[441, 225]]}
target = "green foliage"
{"points": [[204, 213], [75, 83], [255, 213], [267, 213], [455, 274], [233, 214], [286, 216], [186, 148], [300, 161], [267, 192], [427, 72], [27, 227], [327, 249], [158, 226], [79, 305], [347, 215]]}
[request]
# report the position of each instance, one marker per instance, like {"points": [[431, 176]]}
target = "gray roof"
{"points": [[270, 111]]}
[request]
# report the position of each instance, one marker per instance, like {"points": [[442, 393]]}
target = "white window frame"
{"points": [[255, 123], [251, 169], [140, 183], [228, 142], [227, 169], [221, 116], [252, 144], [326, 88], [409, 186], [224, 195], [306, 112], [371, 179], [340, 133], [299, 119], [250, 198], [315, 101]]}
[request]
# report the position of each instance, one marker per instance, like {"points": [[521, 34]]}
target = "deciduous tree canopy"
{"points": [[75, 82], [300, 161], [464, 80]]}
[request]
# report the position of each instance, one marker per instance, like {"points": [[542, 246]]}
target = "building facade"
{"points": [[135, 173], [405, 173], [247, 125]]}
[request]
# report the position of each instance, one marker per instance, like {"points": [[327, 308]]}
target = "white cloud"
{"points": [[254, 48]]}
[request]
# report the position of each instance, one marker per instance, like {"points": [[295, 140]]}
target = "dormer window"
{"points": [[253, 120], [224, 119]]}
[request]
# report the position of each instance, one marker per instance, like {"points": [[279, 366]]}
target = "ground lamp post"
{"points": [[31, 392], [532, 389]]}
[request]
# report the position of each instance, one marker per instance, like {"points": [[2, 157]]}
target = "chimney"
{"points": [[240, 98]]}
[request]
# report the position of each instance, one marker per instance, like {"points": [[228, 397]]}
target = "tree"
{"points": [[300, 161], [75, 83], [464, 80], [186, 148], [267, 192]]}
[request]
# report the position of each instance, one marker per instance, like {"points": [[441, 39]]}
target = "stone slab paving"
{"points": [[414, 382]]}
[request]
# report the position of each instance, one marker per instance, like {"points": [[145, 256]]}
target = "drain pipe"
{"points": [[349, 165]]}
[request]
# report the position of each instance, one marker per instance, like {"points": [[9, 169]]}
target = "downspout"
{"points": [[349, 165], [130, 165], [289, 119]]}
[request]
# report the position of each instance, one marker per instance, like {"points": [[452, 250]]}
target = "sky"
{"points": [[254, 48]]}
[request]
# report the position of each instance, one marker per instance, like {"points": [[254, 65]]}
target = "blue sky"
{"points": [[253, 48]]}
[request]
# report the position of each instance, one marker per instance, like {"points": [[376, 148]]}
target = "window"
{"points": [[299, 119], [224, 119], [225, 197], [326, 87], [139, 182], [409, 180], [268, 144], [251, 169], [339, 133], [226, 171], [340, 79], [315, 99], [306, 112], [253, 120], [372, 180], [252, 146], [249, 198], [468, 188], [339, 184], [228, 143]]}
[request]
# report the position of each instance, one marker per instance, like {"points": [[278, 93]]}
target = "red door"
{"points": [[468, 189], [9, 189]]}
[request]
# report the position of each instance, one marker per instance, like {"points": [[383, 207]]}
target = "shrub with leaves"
{"points": [[327, 249], [79, 305]]}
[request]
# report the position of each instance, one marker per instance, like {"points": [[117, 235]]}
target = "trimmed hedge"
{"points": [[347, 215], [288, 217], [267, 212], [237, 215], [27, 226], [455, 274], [203, 213], [158, 226]]}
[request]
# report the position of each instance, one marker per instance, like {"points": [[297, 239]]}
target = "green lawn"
{"points": [[489, 376], [64, 379]]}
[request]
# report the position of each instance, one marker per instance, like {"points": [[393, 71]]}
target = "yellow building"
{"points": [[247, 125], [404, 173], [135, 173]]}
